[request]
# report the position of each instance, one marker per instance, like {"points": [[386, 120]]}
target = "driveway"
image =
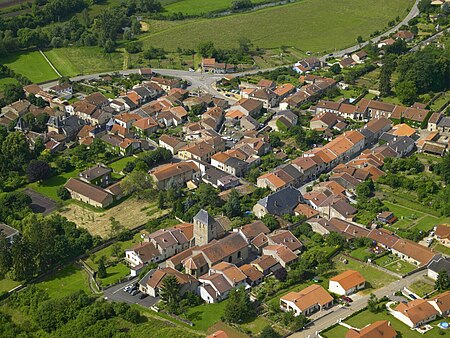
{"points": [[116, 293], [40, 204]]}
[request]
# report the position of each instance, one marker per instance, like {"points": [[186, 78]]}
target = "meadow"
{"points": [[31, 64], [308, 25], [199, 7]]}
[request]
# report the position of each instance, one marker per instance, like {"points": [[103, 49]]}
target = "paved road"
{"points": [[343, 312]]}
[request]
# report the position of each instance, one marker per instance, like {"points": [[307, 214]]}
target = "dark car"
{"points": [[142, 296], [347, 299], [135, 292]]}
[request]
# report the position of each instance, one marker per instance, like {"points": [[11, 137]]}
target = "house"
{"points": [[346, 62], [305, 210], [284, 90], [378, 329], [145, 127], [154, 281], [307, 301], [220, 280], [278, 203], [307, 65], [404, 35], [347, 283], [248, 106], [386, 42], [276, 180], [210, 65], [9, 232], [266, 96], [200, 151], [249, 123], [175, 173], [254, 276], [416, 313], [386, 217], [264, 83], [171, 143], [359, 57], [98, 175], [437, 265], [140, 255], [324, 121], [97, 99], [64, 90], [283, 119], [442, 234], [219, 179], [281, 253], [218, 334], [412, 252], [88, 193], [334, 207], [266, 264], [166, 84], [232, 165], [442, 303]]}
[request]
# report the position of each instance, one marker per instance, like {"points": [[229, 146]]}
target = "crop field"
{"points": [[71, 61], [307, 25], [31, 64]]}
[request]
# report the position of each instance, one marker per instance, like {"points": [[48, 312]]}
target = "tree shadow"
{"points": [[195, 316]]}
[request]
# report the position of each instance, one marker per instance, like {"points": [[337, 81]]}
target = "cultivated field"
{"points": [[31, 64], [308, 25], [130, 214], [71, 61]]}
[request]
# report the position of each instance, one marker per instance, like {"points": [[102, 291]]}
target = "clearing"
{"points": [[306, 25], [30, 64], [98, 223]]}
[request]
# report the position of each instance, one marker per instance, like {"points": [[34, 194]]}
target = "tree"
{"points": [[206, 49], [372, 303], [101, 268], [170, 292], [238, 308], [23, 266], [335, 69], [406, 91], [13, 92], [270, 221], [442, 281], [138, 182], [5, 255], [335, 239], [16, 151], [38, 171], [63, 193], [424, 5], [116, 227], [269, 332], [359, 39], [385, 82], [233, 205]]}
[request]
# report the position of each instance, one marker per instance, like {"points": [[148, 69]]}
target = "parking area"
{"points": [[40, 203], [116, 293]]}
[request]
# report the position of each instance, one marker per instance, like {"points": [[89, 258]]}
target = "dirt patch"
{"points": [[144, 26], [130, 214]]}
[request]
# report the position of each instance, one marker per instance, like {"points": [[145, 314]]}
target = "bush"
{"points": [[63, 193]]}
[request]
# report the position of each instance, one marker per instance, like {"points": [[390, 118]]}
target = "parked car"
{"points": [[135, 292], [347, 299], [142, 296]]}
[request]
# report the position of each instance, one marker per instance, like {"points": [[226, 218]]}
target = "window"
{"points": [[230, 259], [239, 254]]}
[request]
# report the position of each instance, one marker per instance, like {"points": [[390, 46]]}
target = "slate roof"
{"points": [[281, 202]]}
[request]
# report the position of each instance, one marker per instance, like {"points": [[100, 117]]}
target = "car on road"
{"points": [[142, 296], [128, 288], [134, 292]]}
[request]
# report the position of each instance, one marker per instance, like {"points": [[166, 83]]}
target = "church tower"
{"points": [[205, 228]]}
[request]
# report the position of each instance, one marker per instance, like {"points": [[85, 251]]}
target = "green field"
{"points": [[7, 80], [306, 25], [71, 61], [7, 284], [199, 7], [366, 317], [65, 282], [31, 64], [206, 315], [50, 187], [120, 164]]}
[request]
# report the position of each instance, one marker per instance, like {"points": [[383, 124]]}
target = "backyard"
{"points": [[99, 223], [422, 287], [50, 187], [366, 317], [395, 264]]}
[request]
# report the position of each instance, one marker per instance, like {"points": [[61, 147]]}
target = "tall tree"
{"points": [[442, 282], [170, 292], [23, 267], [233, 205], [5, 255], [38, 170], [16, 151], [101, 268], [238, 308]]}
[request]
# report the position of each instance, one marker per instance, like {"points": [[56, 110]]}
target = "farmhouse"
{"points": [[347, 283], [307, 301], [152, 282], [171, 143], [89, 193], [99, 175]]}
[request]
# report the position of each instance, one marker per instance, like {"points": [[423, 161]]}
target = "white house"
{"points": [[346, 283]]}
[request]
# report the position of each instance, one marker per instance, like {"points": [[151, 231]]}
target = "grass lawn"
{"points": [[394, 264], [441, 248], [7, 80], [31, 64], [305, 25], [198, 7], [366, 317], [66, 281], [360, 253], [50, 186], [120, 164], [256, 326], [7, 284], [114, 274], [72, 61], [206, 315]]}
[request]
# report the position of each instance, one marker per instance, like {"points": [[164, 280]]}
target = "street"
{"points": [[343, 312], [116, 293]]}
